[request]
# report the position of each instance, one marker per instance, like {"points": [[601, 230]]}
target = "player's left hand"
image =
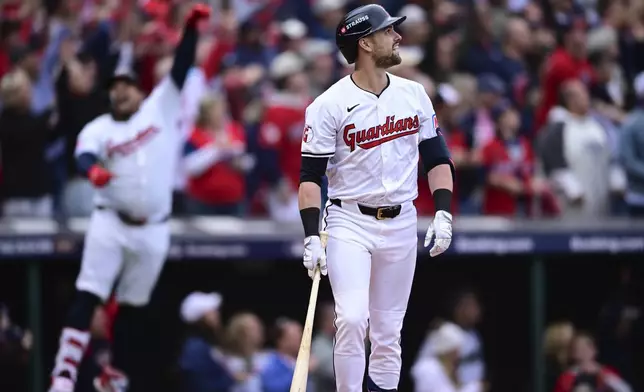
{"points": [[197, 13], [442, 229]]}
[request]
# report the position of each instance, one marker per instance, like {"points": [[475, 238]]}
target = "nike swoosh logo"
{"points": [[352, 107]]}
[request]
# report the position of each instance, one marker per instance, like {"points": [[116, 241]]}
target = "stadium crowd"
{"points": [[540, 101]]}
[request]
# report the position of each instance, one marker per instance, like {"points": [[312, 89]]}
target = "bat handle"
{"points": [[300, 374]]}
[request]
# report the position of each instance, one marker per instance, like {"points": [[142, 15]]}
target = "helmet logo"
{"points": [[355, 22]]}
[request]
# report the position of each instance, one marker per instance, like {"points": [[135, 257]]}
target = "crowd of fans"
{"points": [[244, 353], [533, 98], [450, 355]]}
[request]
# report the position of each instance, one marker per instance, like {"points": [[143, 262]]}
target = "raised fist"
{"points": [[197, 13]]}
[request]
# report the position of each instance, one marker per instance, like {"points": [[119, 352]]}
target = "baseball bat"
{"points": [[301, 373]]}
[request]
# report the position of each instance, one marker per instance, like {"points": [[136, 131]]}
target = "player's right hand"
{"points": [[314, 255], [99, 176]]}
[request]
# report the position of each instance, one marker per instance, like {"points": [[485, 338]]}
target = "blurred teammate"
{"points": [[366, 132], [125, 154]]}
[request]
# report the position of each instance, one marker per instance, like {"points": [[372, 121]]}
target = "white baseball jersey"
{"points": [[372, 141], [139, 153]]}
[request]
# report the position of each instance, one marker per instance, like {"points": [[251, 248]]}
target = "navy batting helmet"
{"points": [[358, 24]]}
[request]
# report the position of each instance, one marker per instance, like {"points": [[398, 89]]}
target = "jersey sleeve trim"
{"points": [[318, 155]]}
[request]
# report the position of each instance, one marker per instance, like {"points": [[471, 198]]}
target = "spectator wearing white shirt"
{"points": [[465, 311], [436, 370]]}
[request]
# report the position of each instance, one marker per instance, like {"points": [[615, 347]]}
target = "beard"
{"points": [[388, 61]]}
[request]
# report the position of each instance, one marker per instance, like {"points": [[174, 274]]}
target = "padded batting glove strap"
{"points": [[442, 229], [314, 255]]}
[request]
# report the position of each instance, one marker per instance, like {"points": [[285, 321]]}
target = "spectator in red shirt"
{"points": [[587, 374], [569, 61], [509, 163], [215, 161]]}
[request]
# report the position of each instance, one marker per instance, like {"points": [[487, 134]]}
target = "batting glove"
{"points": [[99, 176], [314, 255], [442, 228], [197, 13]]}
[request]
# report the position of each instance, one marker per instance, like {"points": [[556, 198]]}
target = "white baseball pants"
{"points": [[371, 267], [133, 255]]}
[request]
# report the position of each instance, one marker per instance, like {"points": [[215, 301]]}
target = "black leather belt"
{"points": [[379, 213], [130, 221]]}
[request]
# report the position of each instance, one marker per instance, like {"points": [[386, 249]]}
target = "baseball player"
{"points": [[125, 154], [366, 132]]}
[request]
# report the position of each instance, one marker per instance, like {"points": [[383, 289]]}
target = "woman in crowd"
{"points": [[245, 336], [587, 374], [436, 369], [512, 189], [215, 162]]}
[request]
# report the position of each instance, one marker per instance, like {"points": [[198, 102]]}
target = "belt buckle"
{"points": [[379, 213]]}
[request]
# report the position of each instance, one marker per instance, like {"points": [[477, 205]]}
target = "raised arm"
{"points": [[184, 56]]}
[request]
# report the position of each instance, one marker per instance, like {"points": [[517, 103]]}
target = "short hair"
{"points": [[279, 328]]}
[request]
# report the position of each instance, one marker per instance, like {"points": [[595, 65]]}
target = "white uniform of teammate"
{"points": [[372, 145], [138, 153], [129, 155]]}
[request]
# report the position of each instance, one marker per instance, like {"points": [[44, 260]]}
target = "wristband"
{"points": [[311, 221], [443, 200]]}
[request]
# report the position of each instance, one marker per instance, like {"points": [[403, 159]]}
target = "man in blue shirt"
{"points": [[280, 364]]}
